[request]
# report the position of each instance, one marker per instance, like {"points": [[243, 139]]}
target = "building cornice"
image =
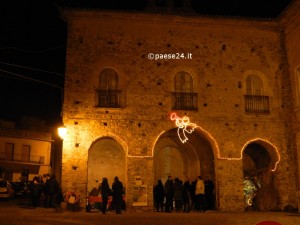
{"points": [[70, 15]]}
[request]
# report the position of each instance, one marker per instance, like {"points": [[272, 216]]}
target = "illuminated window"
{"points": [[108, 93], [255, 101], [183, 97]]}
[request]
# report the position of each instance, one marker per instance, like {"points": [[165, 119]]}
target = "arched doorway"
{"points": [[183, 160], [259, 159], [106, 159]]}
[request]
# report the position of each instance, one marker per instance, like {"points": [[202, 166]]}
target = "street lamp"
{"points": [[62, 131]]}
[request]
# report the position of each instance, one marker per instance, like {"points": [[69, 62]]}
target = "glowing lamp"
{"points": [[62, 131]]}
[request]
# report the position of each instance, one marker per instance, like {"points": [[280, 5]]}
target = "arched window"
{"points": [[255, 101], [183, 97], [183, 82], [108, 93], [108, 79], [254, 85]]}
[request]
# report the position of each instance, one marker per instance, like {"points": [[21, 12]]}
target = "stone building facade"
{"points": [[229, 76]]}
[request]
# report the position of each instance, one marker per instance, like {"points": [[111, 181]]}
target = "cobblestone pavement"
{"points": [[16, 214]]}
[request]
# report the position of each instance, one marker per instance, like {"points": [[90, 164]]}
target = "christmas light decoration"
{"points": [[184, 126]]}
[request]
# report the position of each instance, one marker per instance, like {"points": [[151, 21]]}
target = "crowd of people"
{"points": [[176, 195], [45, 193]]}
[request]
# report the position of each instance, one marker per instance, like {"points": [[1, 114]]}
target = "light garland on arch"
{"points": [[184, 126]]}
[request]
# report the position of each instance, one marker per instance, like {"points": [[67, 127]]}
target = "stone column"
{"points": [[139, 175], [229, 185]]}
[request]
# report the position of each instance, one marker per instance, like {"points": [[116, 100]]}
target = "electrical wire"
{"points": [[30, 68], [34, 52], [31, 79]]}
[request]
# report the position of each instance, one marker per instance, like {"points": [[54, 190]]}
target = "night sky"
{"points": [[33, 42]]}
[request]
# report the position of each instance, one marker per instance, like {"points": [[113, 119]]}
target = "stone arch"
{"points": [[184, 160], [271, 149], [260, 159], [106, 158]]}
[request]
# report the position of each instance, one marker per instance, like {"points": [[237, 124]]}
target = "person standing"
{"points": [[159, 195], [104, 190], [169, 191], [117, 188], [34, 192], [193, 196], [199, 194], [178, 188], [186, 197], [51, 189], [209, 187]]}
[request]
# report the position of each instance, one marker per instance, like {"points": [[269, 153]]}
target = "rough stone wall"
{"points": [[223, 51], [290, 21]]}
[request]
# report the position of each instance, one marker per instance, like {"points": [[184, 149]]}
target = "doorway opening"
{"points": [[259, 180]]}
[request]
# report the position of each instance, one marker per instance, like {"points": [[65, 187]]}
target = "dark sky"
{"points": [[33, 40]]}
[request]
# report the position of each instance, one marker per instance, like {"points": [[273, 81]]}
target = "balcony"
{"points": [[257, 104], [184, 101], [109, 98], [22, 158]]}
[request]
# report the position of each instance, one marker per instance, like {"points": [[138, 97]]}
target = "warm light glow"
{"points": [[184, 126], [62, 131], [255, 140]]}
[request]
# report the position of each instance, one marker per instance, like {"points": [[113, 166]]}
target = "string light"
{"points": [[184, 125]]}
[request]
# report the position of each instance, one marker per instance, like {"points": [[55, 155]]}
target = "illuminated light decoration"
{"points": [[263, 140], [255, 140], [154, 144], [115, 137], [183, 123], [140, 156], [184, 126], [118, 139]]}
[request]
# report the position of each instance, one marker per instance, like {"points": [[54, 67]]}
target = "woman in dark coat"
{"points": [[159, 195], [178, 195], [104, 190], [34, 192], [117, 188]]}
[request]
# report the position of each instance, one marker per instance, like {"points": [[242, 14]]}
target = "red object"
{"points": [[93, 199], [268, 223]]}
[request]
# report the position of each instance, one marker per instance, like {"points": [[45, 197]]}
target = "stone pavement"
{"points": [[14, 214]]}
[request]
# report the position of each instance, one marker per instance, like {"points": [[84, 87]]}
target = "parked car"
{"points": [[6, 190], [20, 188]]}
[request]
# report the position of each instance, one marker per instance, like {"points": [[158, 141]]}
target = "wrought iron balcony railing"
{"points": [[257, 104], [184, 101], [109, 98]]}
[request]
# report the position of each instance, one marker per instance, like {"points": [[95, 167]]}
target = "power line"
{"points": [[30, 68], [31, 79], [34, 52]]}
